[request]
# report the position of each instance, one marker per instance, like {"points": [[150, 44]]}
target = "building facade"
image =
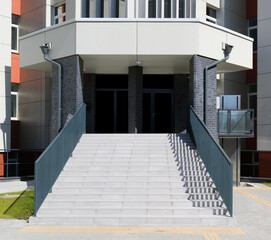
{"points": [[137, 65]]}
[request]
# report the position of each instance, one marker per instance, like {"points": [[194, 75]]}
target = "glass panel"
{"points": [[181, 8], [253, 104], [14, 106], [239, 122], [14, 87], [253, 34], [122, 112], [15, 19], [122, 8], [211, 12], [252, 88], [152, 8], [223, 121], [252, 22], [14, 38], [167, 8]]}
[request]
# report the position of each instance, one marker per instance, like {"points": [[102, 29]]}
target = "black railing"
{"points": [[215, 159]]}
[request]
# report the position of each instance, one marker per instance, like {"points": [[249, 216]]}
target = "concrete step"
{"points": [[105, 220], [115, 169], [123, 178], [122, 173], [87, 211], [126, 203], [124, 196]]}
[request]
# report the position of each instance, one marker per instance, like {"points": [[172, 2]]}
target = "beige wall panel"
{"points": [[170, 41], [35, 136], [235, 22], [63, 41], [31, 91], [264, 59], [5, 37], [4, 85], [33, 20], [264, 85], [4, 136], [30, 50], [5, 58], [5, 109], [201, 9], [215, 3], [241, 53], [264, 110], [264, 32], [264, 7], [237, 7], [106, 38], [30, 5], [263, 137]]}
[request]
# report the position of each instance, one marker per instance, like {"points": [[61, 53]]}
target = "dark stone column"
{"points": [[135, 99], [71, 90], [181, 101], [196, 91], [89, 91]]}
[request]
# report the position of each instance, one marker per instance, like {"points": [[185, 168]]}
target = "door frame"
{"points": [[153, 91]]}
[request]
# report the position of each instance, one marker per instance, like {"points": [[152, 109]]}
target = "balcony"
{"points": [[236, 123]]}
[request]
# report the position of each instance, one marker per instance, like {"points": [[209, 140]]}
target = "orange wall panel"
{"points": [[251, 8], [15, 68], [16, 7], [2, 167], [265, 159]]}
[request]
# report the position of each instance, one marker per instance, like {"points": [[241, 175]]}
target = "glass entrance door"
{"points": [[112, 111], [157, 111]]}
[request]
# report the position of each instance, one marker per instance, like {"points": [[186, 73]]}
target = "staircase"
{"points": [[133, 179]]}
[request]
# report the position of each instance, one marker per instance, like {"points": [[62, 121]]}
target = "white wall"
{"points": [[5, 67], [264, 76]]}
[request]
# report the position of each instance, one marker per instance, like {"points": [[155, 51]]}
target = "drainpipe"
{"points": [[45, 50], [227, 52]]}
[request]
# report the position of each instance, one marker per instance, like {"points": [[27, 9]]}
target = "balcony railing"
{"points": [[236, 123]]}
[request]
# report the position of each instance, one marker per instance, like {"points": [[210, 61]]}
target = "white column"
{"points": [[146, 8], [130, 8], [162, 8], [177, 8]]}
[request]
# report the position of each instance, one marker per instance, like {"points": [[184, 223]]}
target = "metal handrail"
{"points": [[52, 161], [217, 163]]}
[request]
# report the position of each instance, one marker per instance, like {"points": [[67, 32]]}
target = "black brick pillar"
{"points": [[135, 99], [89, 91], [71, 91], [181, 101], [196, 91]]}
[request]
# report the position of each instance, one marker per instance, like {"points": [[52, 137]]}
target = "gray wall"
{"points": [[34, 109], [264, 76]]}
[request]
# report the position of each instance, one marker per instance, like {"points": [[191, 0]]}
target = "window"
{"points": [[60, 13], [181, 8], [252, 98], [152, 9], [14, 33], [211, 15], [167, 8], [252, 31], [14, 101]]}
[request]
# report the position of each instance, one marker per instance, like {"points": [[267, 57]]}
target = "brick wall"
{"points": [[181, 101], [71, 90], [135, 99], [196, 91]]}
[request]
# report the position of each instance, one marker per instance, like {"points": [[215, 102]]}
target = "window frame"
{"points": [[210, 18], [56, 17], [16, 104], [250, 94], [249, 29], [16, 26]]}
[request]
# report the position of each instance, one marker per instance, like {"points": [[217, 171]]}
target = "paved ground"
{"points": [[252, 210]]}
